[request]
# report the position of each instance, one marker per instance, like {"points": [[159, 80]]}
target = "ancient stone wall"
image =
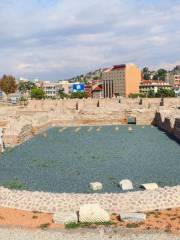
{"points": [[22, 122]]}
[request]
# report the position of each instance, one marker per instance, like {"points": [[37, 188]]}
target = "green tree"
{"points": [[165, 93], [78, 95], [160, 75], [8, 84], [37, 93], [150, 94], [146, 73], [62, 94], [25, 86]]}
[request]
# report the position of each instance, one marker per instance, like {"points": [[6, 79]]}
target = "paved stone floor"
{"points": [[162, 198], [83, 234]]}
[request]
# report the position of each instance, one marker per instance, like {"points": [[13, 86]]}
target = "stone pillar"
{"points": [[108, 88], [104, 89], [1, 141]]}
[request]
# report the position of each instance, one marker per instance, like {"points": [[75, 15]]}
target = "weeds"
{"points": [[132, 225], [15, 184], [44, 225], [84, 225]]}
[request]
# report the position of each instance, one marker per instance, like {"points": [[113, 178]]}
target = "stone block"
{"points": [[65, 217], [93, 213], [96, 186], [130, 129], [149, 186], [126, 184], [133, 217]]}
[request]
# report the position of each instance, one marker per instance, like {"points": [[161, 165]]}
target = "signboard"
{"points": [[78, 87]]}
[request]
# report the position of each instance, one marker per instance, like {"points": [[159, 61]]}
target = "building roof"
{"points": [[98, 89], [153, 83], [118, 67]]}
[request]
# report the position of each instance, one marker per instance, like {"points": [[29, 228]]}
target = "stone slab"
{"points": [[126, 184], [95, 186], [92, 213], [65, 217], [149, 186], [133, 217]]}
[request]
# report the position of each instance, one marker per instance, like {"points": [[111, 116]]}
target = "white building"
{"points": [[51, 89]]}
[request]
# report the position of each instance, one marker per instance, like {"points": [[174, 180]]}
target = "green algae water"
{"points": [[68, 161]]}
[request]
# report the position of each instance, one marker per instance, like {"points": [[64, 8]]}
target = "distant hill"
{"points": [[84, 78]]}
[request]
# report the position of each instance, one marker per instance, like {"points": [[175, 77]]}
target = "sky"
{"points": [[59, 39]]}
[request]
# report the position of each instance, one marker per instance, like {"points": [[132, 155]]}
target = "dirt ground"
{"points": [[165, 220], [25, 219]]}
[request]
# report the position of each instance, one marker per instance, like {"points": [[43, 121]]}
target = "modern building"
{"points": [[51, 89], [97, 89], [65, 86], [153, 85], [121, 80], [173, 77]]}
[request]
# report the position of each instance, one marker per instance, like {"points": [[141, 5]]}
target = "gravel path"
{"points": [[83, 234]]}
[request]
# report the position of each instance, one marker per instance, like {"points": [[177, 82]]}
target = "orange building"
{"points": [[121, 80]]}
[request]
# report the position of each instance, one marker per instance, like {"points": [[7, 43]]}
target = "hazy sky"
{"points": [[56, 39]]}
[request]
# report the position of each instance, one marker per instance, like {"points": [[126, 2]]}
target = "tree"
{"points": [[150, 94], [37, 93], [25, 86], [165, 93], [146, 73], [62, 94], [161, 74], [8, 84]]}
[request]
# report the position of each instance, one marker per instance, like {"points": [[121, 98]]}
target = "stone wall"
{"points": [[21, 123], [162, 198], [169, 121]]}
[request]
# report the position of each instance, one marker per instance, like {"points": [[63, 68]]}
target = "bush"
{"points": [[37, 93], [78, 95]]}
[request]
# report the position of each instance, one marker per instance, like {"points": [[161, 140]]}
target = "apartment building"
{"points": [[121, 80], [174, 79], [51, 89], [153, 85]]}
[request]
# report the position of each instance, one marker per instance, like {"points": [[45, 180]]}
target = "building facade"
{"points": [[121, 80], [153, 85], [65, 86], [51, 90], [97, 88]]}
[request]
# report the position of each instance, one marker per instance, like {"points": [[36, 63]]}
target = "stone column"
{"points": [[104, 89], [1, 141], [108, 89]]}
